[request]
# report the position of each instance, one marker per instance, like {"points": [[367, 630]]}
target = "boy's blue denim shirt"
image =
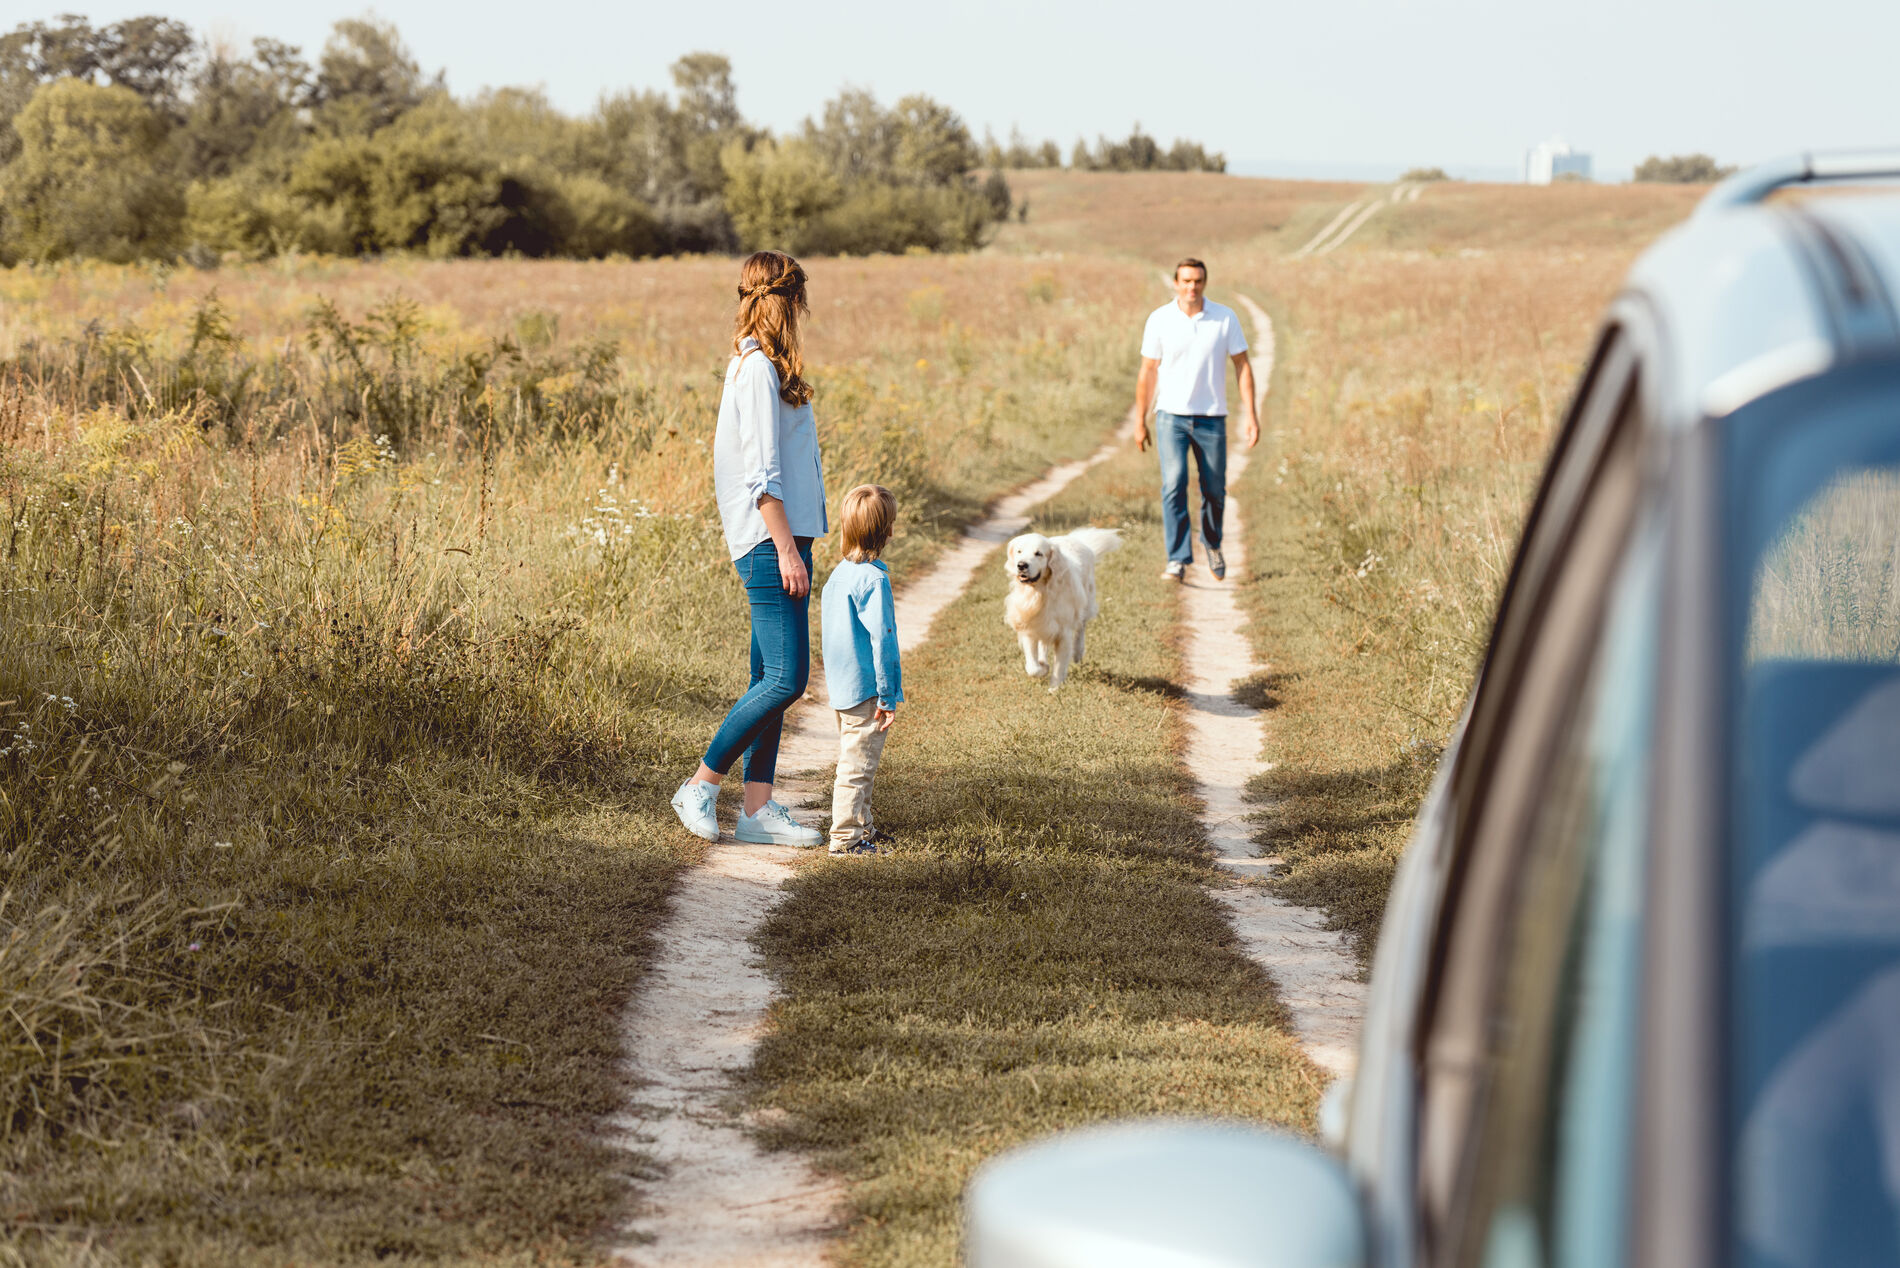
{"points": [[859, 628]]}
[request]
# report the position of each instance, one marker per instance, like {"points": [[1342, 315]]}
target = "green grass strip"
{"points": [[1041, 951]]}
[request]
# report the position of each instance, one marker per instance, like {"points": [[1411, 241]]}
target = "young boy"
{"points": [[862, 675]]}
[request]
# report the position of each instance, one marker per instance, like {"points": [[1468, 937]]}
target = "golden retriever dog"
{"points": [[1052, 596]]}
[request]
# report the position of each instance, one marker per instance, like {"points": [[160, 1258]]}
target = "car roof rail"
{"points": [[1754, 184]]}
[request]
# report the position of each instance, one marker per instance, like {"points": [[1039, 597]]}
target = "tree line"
{"points": [[139, 140], [1679, 169]]}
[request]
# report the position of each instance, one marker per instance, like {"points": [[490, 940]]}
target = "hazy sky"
{"points": [[1356, 83]]}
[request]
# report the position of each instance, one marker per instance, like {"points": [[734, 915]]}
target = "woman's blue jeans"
{"points": [[781, 664], [1205, 436]]}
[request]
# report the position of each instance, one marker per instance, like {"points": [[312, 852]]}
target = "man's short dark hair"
{"points": [[1191, 263]]}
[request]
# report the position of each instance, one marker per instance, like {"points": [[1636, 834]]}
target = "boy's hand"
{"points": [[884, 717]]}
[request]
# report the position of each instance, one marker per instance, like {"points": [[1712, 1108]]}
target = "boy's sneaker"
{"points": [[879, 837], [696, 804], [1175, 571], [774, 825], [857, 847], [1217, 564]]}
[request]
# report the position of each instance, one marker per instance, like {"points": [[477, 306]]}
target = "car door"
{"points": [[1518, 761]]}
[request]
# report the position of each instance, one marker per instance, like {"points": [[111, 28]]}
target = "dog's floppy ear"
{"points": [[1056, 561]]}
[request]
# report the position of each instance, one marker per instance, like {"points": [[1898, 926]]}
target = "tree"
{"points": [[996, 193], [334, 185], [1682, 169], [92, 177], [417, 186], [150, 56], [239, 106], [367, 78], [515, 126], [638, 142], [600, 219], [932, 144], [707, 100], [709, 116], [856, 138], [895, 218], [773, 189]]}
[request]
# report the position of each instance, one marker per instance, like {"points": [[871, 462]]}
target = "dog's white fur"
{"points": [[1052, 596]]}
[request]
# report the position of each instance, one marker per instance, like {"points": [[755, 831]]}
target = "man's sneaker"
{"points": [[879, 837], [1175, 571], [774, 825], [857, 847], [695, 803], [1217, 564]]}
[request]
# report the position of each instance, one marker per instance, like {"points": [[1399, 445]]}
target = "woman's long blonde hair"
{"points": [[771, 300]]}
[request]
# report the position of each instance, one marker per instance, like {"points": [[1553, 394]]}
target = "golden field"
{"points": [[359, 616]]}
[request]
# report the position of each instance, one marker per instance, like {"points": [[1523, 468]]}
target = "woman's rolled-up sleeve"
{"points": [[757, 401]]}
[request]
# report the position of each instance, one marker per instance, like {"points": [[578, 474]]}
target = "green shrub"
{"points": [[774, 190], [599, 220], [421, 189], [896, 218], [1681, 169], [243, 215], [92, 177]]}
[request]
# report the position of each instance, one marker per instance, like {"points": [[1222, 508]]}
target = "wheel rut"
{"points": [[1311, 964]]}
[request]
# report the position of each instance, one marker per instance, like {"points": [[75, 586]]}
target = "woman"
{"points": [[771, 490]]}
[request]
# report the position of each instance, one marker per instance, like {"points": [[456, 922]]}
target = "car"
{"points": [[1636, 998]]}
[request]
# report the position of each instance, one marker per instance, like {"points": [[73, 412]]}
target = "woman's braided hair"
{"points": [[771, 300]]}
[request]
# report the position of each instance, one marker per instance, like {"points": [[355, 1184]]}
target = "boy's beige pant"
{"points": [[860, 746]]}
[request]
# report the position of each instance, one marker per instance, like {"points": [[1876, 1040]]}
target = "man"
{"points": [[1184, 380]]}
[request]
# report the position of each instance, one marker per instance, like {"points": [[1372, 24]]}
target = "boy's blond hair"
{"points": [[865, 519]]}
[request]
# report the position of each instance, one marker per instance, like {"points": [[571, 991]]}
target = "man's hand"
{"points": [[1145, 399], [884, 717], [1250, 430]]}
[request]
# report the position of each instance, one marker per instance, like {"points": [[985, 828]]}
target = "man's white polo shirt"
{"points": [[1193, 353]]}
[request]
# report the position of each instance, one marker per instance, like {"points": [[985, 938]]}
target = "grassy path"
{"points": [[704, 1006], [1043, 949], [1309, 962]]}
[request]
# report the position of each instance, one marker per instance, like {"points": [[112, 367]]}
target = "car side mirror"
{"points": [[1164, 1196]]}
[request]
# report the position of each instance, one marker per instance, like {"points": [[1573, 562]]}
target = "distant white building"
{"points": [[1548, 160]]}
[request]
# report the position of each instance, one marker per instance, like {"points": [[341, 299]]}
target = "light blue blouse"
{"points": [[860, 631], [764, 446]]}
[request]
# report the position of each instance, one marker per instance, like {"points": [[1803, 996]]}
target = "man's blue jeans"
{"points": [[1204, 436], [781, 664]]}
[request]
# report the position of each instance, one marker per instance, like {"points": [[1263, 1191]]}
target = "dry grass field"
{"points": [[1416, 399], [1161, 216], [349, 655], [356, 618], [1587, 219]]}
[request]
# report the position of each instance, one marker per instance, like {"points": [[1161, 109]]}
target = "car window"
{"points": [[1552, 1178], [1815, 800], [1546, 633]]}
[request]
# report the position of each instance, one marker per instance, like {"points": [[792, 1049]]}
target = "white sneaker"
{"points": [[774, 825], [695, 803], [1217, 564], [1175, 571]]}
